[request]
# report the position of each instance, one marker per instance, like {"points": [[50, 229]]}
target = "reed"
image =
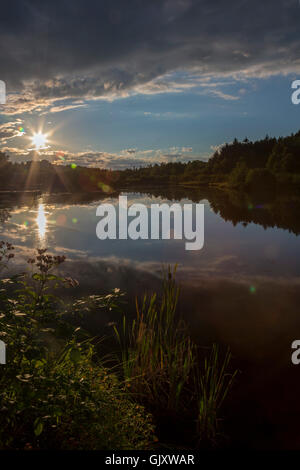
{"points": [[157, 353], [213, 383], [162, 367]]}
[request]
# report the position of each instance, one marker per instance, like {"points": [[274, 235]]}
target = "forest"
{"points": [[267, 164], [270, 163]]}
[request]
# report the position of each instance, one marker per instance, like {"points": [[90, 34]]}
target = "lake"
{"points": [[241, 290]]}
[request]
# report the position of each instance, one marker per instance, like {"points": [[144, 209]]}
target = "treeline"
{"points": [[42, 175], [265, 164]]}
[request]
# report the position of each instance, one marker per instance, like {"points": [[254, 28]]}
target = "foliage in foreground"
{"points": [[53, 392], [164, 368], [213, 384]]}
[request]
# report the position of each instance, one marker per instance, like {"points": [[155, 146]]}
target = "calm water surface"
{"points": [[241, 289]]}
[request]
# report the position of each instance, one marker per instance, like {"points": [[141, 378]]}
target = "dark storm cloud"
{"points": [[60, 49]]}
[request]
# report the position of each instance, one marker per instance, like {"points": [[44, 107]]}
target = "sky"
{"points": [[117, 84]]}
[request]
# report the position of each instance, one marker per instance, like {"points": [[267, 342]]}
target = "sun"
{"points": [[39, 140]]}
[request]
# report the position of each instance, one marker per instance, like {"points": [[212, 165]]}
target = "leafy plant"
{"points": [[58, 397]]}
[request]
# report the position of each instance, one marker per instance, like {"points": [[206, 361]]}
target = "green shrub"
{"points": [[68, 403], [260, 179], [54, 394], [284, 179], [238, 175], [296, 180]]}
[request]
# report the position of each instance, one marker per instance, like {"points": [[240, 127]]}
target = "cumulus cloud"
{"points": [[9, 130], [218, 148], [106, 160], [224, 96], [97, 49], [66, 107]]}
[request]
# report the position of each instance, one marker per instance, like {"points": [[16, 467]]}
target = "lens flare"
{"points": [[39, 140]]}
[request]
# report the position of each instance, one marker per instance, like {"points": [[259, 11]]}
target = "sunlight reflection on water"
{"points": [[41, 221]]}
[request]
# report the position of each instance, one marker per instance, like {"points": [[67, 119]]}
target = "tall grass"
{"points": [[157, 353], [160, 363], [213, 384]]}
